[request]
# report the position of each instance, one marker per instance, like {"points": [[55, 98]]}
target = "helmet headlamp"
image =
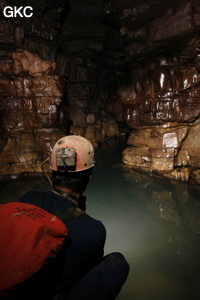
{"points": [[66, 158]]}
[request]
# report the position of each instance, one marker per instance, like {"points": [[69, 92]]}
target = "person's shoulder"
{"points": [[95, 230], [27, 197], [95, 224]]}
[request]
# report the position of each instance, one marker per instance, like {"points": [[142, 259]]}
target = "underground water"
{"points": [[154, 222]]}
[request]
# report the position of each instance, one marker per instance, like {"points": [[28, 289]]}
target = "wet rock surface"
{"points": [[29, 101], [169, 149], [162, 103], [49, 81]]}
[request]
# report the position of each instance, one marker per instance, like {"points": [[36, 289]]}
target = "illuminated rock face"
{"points": [[169, 149], [50, 83], [162, 103], [164, 109], [30, 97], [170, 93], [32, 118]]}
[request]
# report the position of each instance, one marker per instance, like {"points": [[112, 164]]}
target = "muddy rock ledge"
{"points": [[169, 149]]}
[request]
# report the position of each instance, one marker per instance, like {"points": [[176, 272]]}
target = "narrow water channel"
{"points": [[154, 222]]}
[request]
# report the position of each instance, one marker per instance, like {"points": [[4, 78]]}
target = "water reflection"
{"points": [[155, 223]]}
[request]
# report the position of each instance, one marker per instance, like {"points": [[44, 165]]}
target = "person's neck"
{"points": [[61, 191]]}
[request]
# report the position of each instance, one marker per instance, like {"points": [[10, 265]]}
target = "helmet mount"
{"points": [[72, 154], [66, 159]]}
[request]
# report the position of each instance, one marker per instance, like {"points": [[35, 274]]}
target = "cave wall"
{"points": [[162, 103], [54, 79], [99, 69], [31, 91]]}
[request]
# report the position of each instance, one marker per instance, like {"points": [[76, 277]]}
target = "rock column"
{"points": [[29, 106]]}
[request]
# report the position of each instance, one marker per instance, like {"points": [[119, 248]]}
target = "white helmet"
{"points": [[72, 154]]}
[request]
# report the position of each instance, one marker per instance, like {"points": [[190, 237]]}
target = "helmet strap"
{"points": [[64, 163], [66, 195]]}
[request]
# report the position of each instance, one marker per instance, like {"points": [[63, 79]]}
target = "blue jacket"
{"points": [[87, 239]]}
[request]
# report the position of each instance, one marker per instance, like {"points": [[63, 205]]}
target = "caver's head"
{"points": [[72, 162]]}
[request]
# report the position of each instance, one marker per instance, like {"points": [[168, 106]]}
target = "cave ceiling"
{"points": [[152, 28], [135, 30]]}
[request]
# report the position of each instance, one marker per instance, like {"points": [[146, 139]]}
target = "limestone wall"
{"points": [[29, 101], [171, 149], [51, 81], [163, 109], [162, 103]]}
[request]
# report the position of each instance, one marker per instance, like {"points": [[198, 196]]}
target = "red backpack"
{"points": [[29, 238]]}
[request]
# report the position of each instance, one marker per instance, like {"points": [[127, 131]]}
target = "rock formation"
{"points": [[170, 149], [162, 104], [49, 81], [30, 96]]}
